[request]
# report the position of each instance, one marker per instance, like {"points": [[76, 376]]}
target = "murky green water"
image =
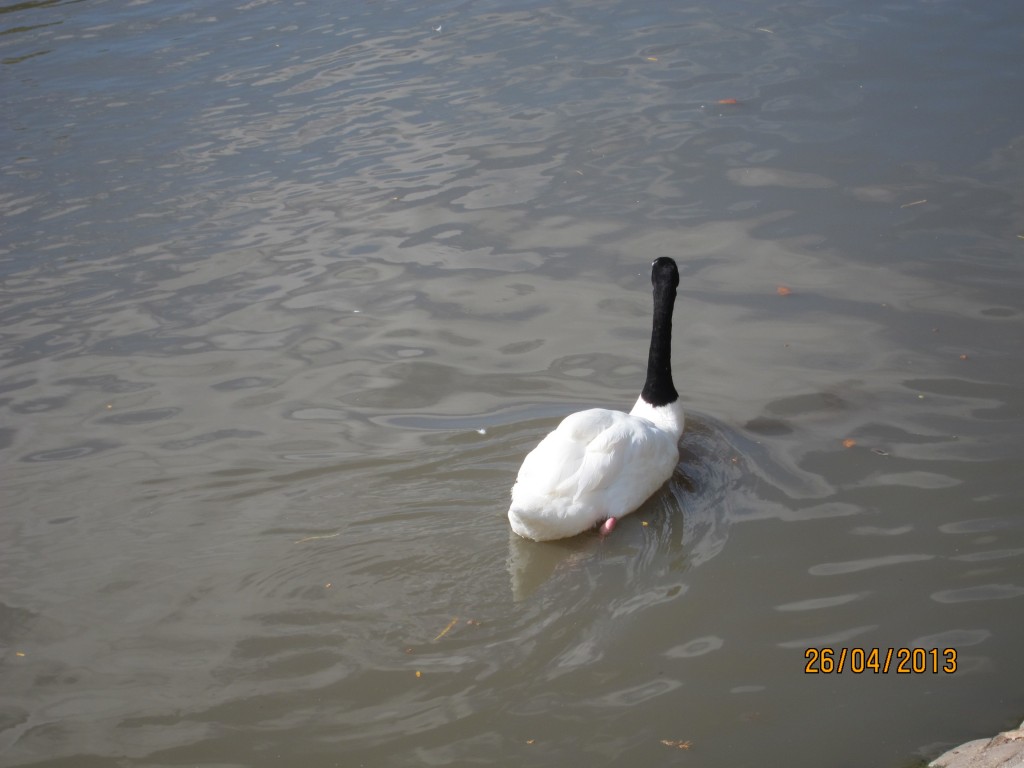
{"points": [[289, 290]]}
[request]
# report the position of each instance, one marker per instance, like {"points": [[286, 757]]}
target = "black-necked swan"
{"points": [[599, 465]]}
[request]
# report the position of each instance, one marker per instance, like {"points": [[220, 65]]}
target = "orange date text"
{"points": [[902, 661]]}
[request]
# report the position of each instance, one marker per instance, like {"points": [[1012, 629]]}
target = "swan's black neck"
{"points": [[659, 389]]}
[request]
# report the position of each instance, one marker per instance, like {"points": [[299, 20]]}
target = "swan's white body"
{"points": [[600, 465], [596, 465]]}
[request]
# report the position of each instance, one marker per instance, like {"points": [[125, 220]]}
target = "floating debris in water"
{"points": [[678, 744], [447, 629], [314, 538]]}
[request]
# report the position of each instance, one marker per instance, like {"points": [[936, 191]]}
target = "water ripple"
{"points": [[853, 566], [983, 592], [79, 451]]}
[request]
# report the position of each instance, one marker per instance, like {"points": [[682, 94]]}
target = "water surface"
{"points": [[289, 291]]}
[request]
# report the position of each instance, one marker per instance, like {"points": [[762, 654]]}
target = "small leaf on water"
{"points": [[447, 629]]}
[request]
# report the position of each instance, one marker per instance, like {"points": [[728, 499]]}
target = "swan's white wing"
{"points": [[553, 466], [607, 456]]}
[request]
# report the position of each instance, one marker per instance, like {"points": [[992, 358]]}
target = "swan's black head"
{"points": [[664, 272]]}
